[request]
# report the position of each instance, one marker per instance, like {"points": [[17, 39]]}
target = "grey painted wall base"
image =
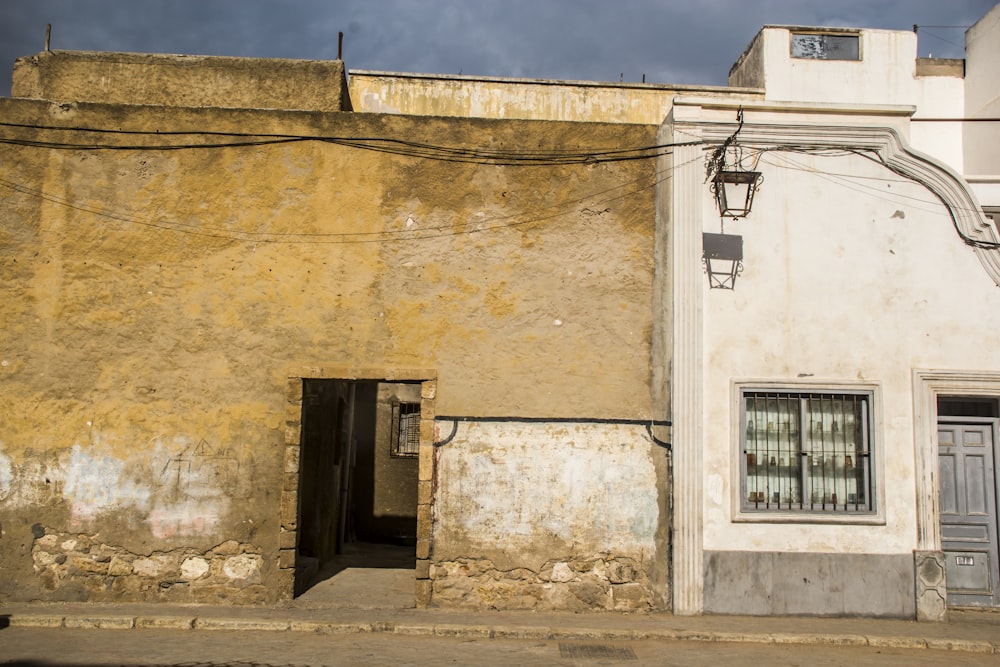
{"points": [[931, 590], [776, 583]]}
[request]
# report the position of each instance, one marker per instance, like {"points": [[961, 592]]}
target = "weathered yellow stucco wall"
{"points": [[534, 99], [155, 301], [182, 80]]}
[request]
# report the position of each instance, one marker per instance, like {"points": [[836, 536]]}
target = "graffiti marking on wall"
{"points": [[31, 483], [197, 485], [202, 467]]}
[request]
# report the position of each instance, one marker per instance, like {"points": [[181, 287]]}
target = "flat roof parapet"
{"points": [[182, 80]]}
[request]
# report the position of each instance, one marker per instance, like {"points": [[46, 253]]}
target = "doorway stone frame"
{"points": [[288, 523], [928, 385]]}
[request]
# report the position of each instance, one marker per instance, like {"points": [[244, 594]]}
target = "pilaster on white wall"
{"points": [[686, 383]]}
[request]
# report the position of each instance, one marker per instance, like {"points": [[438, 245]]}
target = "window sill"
{"points": [[857, 519]]}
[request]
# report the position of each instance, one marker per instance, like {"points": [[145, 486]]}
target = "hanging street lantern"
{"points": [[734, 191]]}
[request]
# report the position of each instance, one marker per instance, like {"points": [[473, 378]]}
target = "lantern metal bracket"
{"points": [[732, 188]]}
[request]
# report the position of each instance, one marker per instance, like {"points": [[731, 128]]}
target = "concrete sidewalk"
{"points": [[967, 630]]}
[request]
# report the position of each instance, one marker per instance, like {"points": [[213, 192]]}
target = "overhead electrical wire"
{"points": [[510, 158], [875, 157], [419, 150], [849, 181]]}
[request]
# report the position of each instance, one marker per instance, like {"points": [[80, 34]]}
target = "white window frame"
{"points": [[743, 514]]}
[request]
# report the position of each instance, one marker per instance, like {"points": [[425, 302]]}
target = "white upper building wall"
{"points": [[885, 73], [940, 94], [982, 100]]}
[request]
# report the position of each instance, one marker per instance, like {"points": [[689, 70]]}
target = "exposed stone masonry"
{"points": [[598, 582], [80, 566]]}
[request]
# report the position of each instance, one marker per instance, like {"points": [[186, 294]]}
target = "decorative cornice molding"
{"points": [[884, 142]]}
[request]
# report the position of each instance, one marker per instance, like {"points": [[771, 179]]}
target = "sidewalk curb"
{"points": [[480, 631]]}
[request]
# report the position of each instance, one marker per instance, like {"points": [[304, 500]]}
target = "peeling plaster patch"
{"points": [[96, 484], [197, 483], [714, 489], [189, 497], [184, 519], [32, 484], [586, 486], [578, 498], [374, 103], [6, 475]]}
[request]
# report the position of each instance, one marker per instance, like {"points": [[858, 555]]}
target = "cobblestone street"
{"points": [[63, 647]]}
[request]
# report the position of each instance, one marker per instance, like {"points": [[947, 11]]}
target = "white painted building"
{"points": [[835, 413]]}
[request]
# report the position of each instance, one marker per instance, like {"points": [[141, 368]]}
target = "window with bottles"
{"points": [[806, 451]]}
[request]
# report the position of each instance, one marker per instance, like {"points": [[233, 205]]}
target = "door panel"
{"points": [[969, 513], [949, 486]]}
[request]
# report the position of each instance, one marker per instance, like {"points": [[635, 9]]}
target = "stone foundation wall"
{"points": [[79, 566], [600, 582]]}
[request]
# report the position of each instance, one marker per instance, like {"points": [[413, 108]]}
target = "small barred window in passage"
{"points": [[806, 451], [405, 429]]}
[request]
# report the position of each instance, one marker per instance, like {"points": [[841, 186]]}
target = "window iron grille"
{"points": [[806, 451], [825, 46], [405, 429]]}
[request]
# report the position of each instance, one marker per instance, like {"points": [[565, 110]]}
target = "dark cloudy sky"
{"points": [[670, 41]]}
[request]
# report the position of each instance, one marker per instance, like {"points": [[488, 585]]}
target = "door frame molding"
{"points": [[289, 504], [928, 385]]}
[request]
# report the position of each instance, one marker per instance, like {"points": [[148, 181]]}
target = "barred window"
{"points": [[826, 46], [405, 429], [806, 451]]}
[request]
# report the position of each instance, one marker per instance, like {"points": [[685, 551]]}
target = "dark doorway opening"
{"points": [[357, 488]]}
